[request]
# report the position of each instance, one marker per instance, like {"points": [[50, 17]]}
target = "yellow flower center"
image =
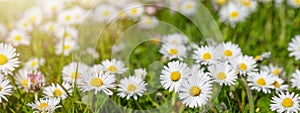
{"points": [[106, 13], [195, 91], [261, 82], [121, 14], [297, 2], [18, 38], [155, 40], [66, 34], [25, 83], [206, 56], [134, 10], [0, 88], [3, 59], [173, 51], [246, 3], [221, 76], [25, 24], [243, 66], [234, 14], [228, 53], [96, 82], [74, 76], [43, 105], [57, 93], [53, 8], [67, 47], [257, 57], [34, 63], [276, 71], [112, 69], [189, 6], [131, 88], [67, 18], [175, 76], [276, 84], [287, 102], [33, 19], [52, 28], [221, 2]]}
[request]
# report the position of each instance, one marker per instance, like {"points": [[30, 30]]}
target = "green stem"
{"points": [[249, 94], [153, 102], [93, 103]]}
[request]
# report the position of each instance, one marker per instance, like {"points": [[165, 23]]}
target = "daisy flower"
{"points": [[34, 15], [233, 13], [8, 59], [273, 69], [294, 47], [5, 88], [66, 17], [140, 73], [188, 7], [134, 10], [196, 90], [250, 4], [67, 32], [117, 3], [228, 50], [17, 37], [148, 22], [35, 81], [114, 66], [45, 105], [176, 39], [285, 102], [22, 78], [173, 51], [261, 81], [105, 13], [52, 7], [57, 90], [131, 87], [263, 56], [245, 64], [295, 79], [278, 84], [98, 82], [173, 75], [24, 25], [88, 3], [205, 55], [96, 68], [223, 74], [73, 71], [294, 3], [34, 63], [66, 47], [221, 2], [51, 27], [78, 14]]}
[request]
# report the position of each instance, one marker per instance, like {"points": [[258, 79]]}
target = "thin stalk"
{"points": [[249, 95], [93, 103]]}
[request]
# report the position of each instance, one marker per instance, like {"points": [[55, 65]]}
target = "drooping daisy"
{"points": [[228, 50], [223, 73], [8, 59], [173, 75], [105, 13], [5, 88], [245, 64], [148, 22], [73, 71], [294, 47], [140, 73], [261, 81], [205, 55], [66, 47], [34, 63], [17, 37], [46, 105], [134, 10], [196, 90], [278, 84], [285, 102], [35, 82], [250, 4], [175, 39], [173, 51], [233, 13], [131, 87], [114, 66], [98, 82], [57, 90], [294, 3], [188, 7], [263, 56], [295, 79], [22, 78]]}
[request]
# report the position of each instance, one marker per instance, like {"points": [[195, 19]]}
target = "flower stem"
{"points": [[36, 96], [249, 95], [93, 102]]}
